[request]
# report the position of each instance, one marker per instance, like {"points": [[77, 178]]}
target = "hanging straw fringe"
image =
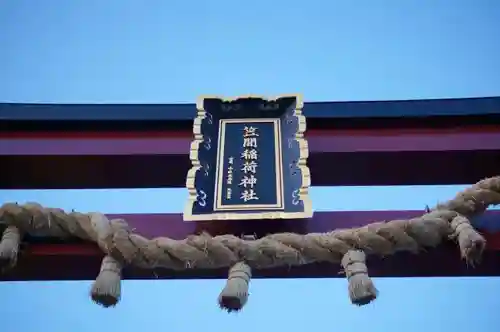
{"points": [[9, 246], [345, 246], [471, 243], [361, 288], [106, 289], [235, 294]]}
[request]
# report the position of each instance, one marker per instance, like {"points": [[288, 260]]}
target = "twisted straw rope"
{"points": [[347, 246]]}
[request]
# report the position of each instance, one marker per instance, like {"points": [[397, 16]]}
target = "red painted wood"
{"points": [[173, 226], [327, 169], [69, 249], [189, 133], [493, 244], [332, 143], [82, 262], [493, 241]]}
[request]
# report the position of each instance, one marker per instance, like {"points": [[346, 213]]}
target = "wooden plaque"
{"points": [[249, 158]]}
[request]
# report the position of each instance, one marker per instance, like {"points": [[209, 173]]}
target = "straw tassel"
{"points": [[361, 288], [471, 243], [106, 289], [235, 294], [9, 246]]}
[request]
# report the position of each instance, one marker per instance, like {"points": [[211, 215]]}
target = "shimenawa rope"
{"points": [[349, 247]]}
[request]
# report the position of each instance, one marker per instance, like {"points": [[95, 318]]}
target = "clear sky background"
{"points": [[153, 51]]}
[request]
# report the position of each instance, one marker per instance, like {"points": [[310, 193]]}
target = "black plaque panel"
{"points": [[249, 160]]}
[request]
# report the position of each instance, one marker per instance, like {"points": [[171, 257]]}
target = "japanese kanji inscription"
{"points": [[249, 160]]}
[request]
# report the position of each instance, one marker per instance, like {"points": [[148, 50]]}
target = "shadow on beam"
{"points": [[327, 169]]}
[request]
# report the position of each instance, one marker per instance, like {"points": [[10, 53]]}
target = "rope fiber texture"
{"points": [[349, 247]]}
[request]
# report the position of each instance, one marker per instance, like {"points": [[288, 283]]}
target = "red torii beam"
{"points": [[452, 141]]}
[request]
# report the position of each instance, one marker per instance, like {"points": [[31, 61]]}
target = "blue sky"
{"points": [[172, 51]]}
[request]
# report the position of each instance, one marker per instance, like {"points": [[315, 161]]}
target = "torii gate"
{"points": [[416, 142]]}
